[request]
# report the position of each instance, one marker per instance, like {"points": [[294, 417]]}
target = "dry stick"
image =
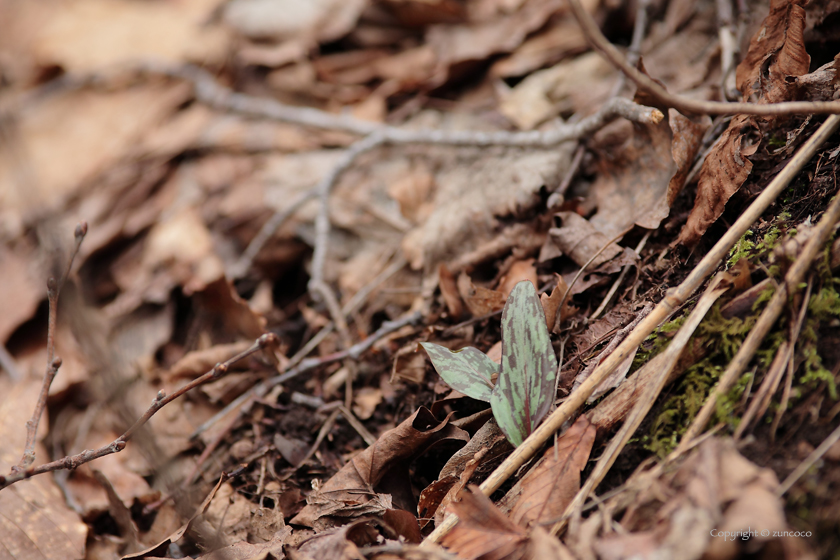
{"points": [[761, 401], [620, 279], [646, 400], [684, 104], [765, 322], [243, 264], [673, 299], [209, 92], [161, 400], [53, 362], [809, 461]]}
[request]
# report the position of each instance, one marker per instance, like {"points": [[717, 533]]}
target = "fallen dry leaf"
{"points": [[67, 139], [88, 35], [549, 487], [340, 543], [449, 291], [382, 467], [22, 292], [518, 271], [775, 57], [479, 300], [483, 531], [639, 181], [678, 514]]}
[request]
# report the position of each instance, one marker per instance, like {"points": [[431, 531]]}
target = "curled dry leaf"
{"points": [[382, 468], [776, 55], [479, 300], [449, 290]]}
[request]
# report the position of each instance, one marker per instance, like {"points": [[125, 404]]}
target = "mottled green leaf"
{"points": [[467, 370], [525, 389]]}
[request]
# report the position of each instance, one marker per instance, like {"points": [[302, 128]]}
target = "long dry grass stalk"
{"points": [[669, 359], [673, 299], [764, 323]]}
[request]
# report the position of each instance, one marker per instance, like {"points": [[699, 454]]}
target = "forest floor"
{"points": [[238, 233]]}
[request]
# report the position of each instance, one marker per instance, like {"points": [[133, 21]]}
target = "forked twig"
{"points": [[162, 399], [53, 362], [673, 299]]}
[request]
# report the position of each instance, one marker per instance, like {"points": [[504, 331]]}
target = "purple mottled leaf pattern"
{"points": [[467, 370], [528, 371]]}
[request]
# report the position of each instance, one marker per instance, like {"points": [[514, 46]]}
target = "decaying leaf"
{"points": [[776, 56], [548, 488], [483, 532], [31, 510], [383, 468], [480, 300], [467, 370], [526, 386]]}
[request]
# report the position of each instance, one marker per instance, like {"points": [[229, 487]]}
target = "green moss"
{"points": [[742, 249]]}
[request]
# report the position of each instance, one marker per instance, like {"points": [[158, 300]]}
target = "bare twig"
{"points": [[161, 400], [673, 299], [309, 364], [614, 288], [685, 104], [53, 362], [809, 461]]}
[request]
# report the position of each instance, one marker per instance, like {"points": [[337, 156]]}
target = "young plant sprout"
{"points": [[527, 375]]}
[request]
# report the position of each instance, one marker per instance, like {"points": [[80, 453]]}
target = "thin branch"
{"points": [[685, 104], [53, 362], [673, 299], [209, 92], [809, 461], [309, 364], [161, 400]]}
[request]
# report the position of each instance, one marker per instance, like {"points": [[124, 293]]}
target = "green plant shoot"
{"points": [[527, 375], [526, 385]]}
